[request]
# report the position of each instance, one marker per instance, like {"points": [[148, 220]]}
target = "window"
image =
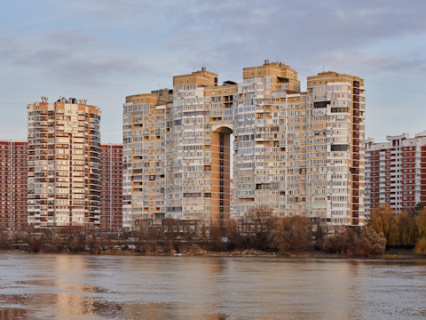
{"points": [[340, 147]]}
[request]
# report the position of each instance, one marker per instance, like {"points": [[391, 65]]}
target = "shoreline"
{"points": [[391, 254]]}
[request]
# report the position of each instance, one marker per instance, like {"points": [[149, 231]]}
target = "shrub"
{"points": [[356, 242], [421, 246], [5, 243], [374, 243]]}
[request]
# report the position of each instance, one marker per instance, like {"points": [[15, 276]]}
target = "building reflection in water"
{"points": [[183, 288], [98, 287], [70, 278], [13, 313]]}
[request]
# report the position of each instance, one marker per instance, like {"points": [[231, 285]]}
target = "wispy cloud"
{"points": [[70, 56], [115, 48]]}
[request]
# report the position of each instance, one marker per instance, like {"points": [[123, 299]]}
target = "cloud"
{"points": [[308, 34], [75, 38], [71, 57], [107, 38], [102, 48], [366, 61]]}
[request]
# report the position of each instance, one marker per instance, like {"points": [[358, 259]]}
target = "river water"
{"points": [[133, 287]]}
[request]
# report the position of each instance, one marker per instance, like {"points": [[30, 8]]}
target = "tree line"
{"points": [[258, 232], [403, 229]]}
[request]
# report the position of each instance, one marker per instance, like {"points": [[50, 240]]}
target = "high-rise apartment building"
{"points": [[396, 172], [294, 153], [63, 163], [300, 153], [13, 185], [144, 156], [111, 187]]}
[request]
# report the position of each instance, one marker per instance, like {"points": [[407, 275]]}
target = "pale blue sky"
{"points": [[106, 50]]}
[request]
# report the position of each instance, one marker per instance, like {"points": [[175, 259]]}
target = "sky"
{"points": [[105, 50]]}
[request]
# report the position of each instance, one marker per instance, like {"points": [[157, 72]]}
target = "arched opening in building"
{"points": [[222, 152]]}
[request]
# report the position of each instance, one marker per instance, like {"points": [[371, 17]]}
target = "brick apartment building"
{"points": [[111, 187], [396, 172], [13, 185]]}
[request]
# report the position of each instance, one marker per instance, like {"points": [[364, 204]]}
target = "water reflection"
{"points": [[12, 313], [99, 287]]}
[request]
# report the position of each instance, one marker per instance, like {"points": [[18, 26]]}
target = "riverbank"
{"points": [[390, 254]]}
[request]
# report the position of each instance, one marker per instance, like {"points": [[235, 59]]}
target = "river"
{"points": [[61, 286]]}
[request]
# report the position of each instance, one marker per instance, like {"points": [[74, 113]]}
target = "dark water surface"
{"points": [[133, 287]]}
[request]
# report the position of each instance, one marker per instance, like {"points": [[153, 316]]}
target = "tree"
{"points": [[235, 239], [216, 243], [5, 243], [33, 240], [406, 226], [357, 242], [49, 234], [383, 219], [374, 243], [256, 227], [289, 234], [400, 229], [319, 232], [171, 228], [421, 246], [336, 243], [94, 245], [421, 223], [419, 207]]}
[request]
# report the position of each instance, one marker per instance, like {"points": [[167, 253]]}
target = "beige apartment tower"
{"points": [[294, 153], [63, 163]]}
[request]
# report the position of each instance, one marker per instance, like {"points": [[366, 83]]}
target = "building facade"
{"points": [[300, 153], [144, 157], [13, 185], [294, 153], [396, 172], [63, 163], [111, 219]]}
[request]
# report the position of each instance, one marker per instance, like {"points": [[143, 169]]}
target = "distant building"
{"points": [[396, 172], [13, 185], [295, 153], [111, 187], [63, 163]]}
